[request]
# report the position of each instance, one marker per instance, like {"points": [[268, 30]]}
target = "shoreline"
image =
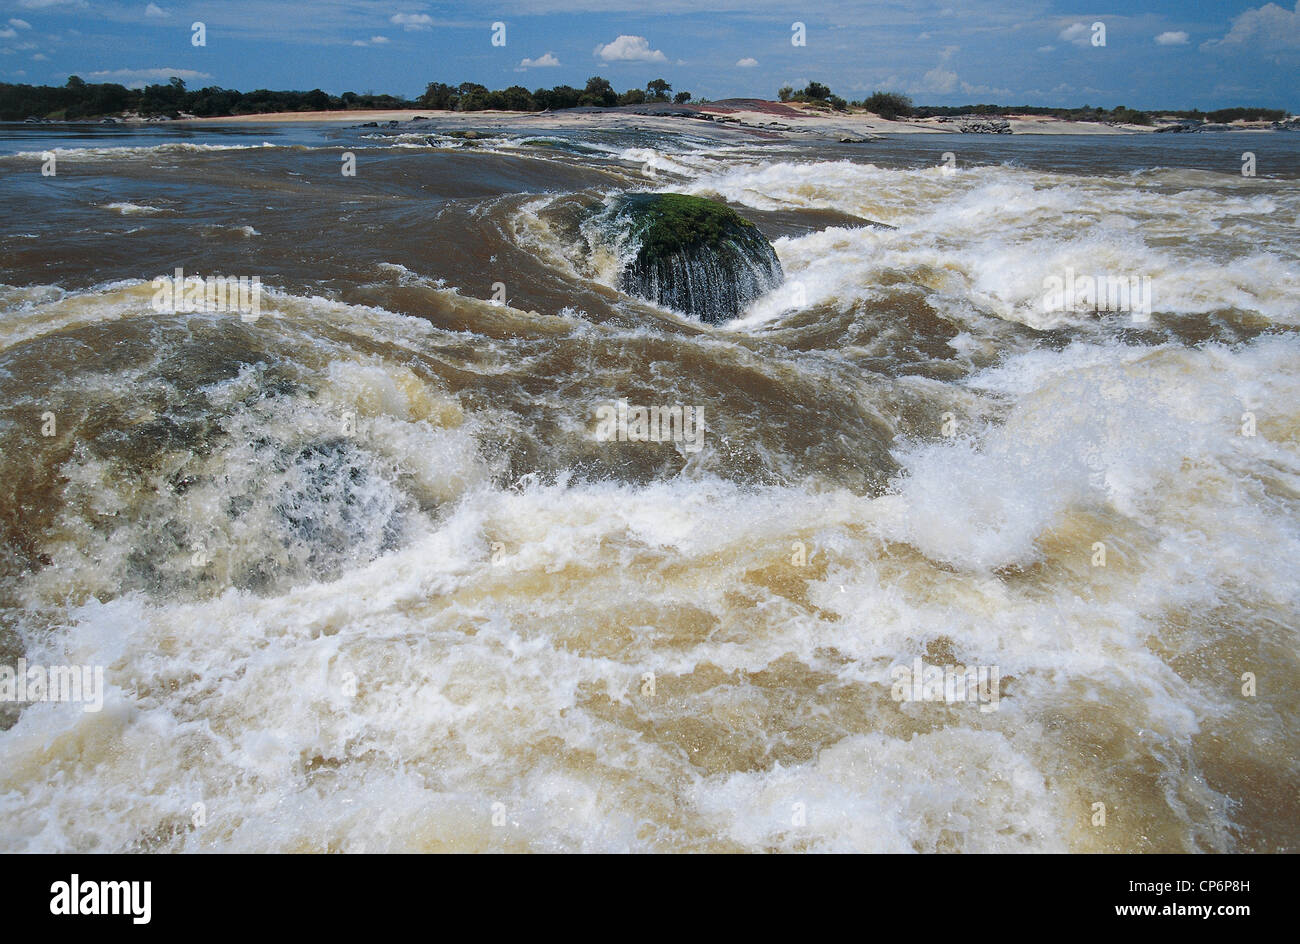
{"points": [[776, 118], [754, 116]]}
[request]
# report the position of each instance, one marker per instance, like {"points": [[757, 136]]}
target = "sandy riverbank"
{"points": [[773, 117]]}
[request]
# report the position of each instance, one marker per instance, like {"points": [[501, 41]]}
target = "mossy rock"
{"points": [[693, 255], [560, 145]]}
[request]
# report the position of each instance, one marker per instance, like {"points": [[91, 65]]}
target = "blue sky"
{"points": [[1157, 53]]}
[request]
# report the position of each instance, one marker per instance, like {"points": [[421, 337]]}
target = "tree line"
{"points": [[78, 99], [893, 105], [598, 93]]}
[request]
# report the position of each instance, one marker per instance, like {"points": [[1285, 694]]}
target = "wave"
{"points": [[363, 578], [114, 153], [131, 209], [995, 237], [320, 692]]}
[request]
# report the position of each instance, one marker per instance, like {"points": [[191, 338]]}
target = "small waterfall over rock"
{"points": [[693, 255]]}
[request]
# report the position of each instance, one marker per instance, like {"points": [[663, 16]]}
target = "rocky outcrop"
{"points": [[985, 126], [690, 254]]}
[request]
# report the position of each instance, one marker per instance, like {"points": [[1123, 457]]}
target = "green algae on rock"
{"points": [[693, 255]]}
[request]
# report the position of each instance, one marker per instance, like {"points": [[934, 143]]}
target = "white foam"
{"points": [[994, 236], [99, 153], [129, 209]]}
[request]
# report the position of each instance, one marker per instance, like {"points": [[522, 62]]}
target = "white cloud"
{"points": [[1047, 49], [747, 63], [1078, 33], [8, 33], [43, 4], [155, 11], [630, 49], [1269, 28], [412, 21], [40, 57], [137, 78], [1172, 38], [541, 62], [939, 80], [21, 24], [379, 40]]}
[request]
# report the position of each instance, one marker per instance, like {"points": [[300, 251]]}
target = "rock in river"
{"points": [[690, 254]]}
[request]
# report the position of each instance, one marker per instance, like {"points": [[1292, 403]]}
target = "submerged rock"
{"points": [[693, 255]]}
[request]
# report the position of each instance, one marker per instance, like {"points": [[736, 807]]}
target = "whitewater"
{"points": [[363, 577]]}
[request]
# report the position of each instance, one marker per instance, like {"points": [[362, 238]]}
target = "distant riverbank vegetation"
{"points": [[80, 100], [893, 106]]}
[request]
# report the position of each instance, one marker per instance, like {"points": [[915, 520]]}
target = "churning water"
{"points": [[361, 574]]}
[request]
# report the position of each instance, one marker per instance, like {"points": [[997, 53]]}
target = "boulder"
{"points": [[986, 126], [693, 255]]}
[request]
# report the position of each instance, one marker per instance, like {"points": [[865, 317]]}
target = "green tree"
{"points": [[598, 93], [440, 96], [163, 99], [471, 97], [681, 98], [889, 105], [657, 90], [562, 96], [518, 98]]}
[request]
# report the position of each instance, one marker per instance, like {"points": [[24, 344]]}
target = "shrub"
{"points": [[889, 105]]}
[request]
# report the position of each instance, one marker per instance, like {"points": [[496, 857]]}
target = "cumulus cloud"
{"points": [[541, 62], [1172, 38], [412, 21], [1269, 28], [155, 11], [747, 63], [1078, 33], [21, 24], [944, 81], [939, 80], [8, 33], [630, 49], [372, 41]]}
